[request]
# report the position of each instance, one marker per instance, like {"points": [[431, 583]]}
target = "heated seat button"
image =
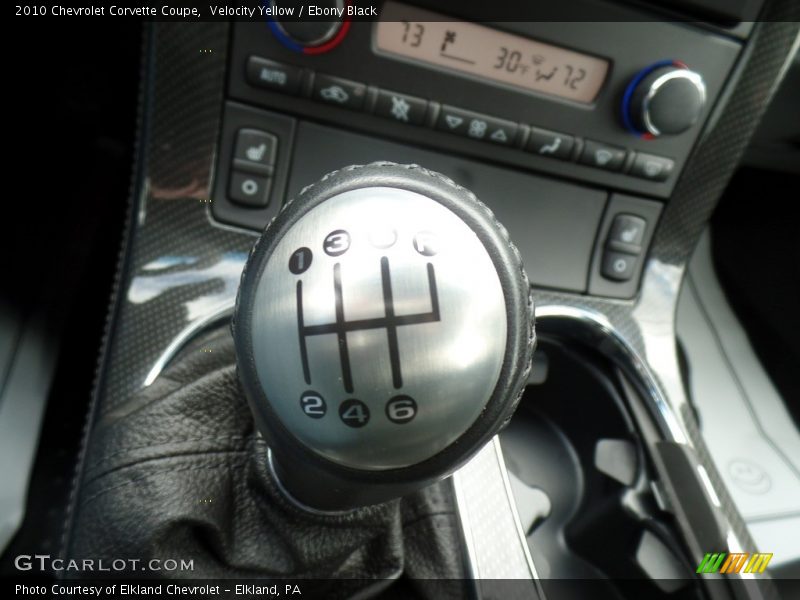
{"points": [[401, 107], [339, 92], [551, 144], [273, 75], [602, 156], [618, 265], [248, 189], [255, 151], [627, 233]]}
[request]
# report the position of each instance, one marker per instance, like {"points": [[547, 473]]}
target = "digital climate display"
{"points": [[488, 54]]}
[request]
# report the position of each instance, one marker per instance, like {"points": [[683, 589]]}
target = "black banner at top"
{"points": [[715, 12]]}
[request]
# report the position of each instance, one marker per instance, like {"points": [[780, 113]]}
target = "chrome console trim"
{"points": [[477, 498], [184, 336], [623, 353]]}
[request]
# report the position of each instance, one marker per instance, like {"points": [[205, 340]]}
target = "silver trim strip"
{"points": [[496, 544], [222, 312], [626, 352], [294, 501]]}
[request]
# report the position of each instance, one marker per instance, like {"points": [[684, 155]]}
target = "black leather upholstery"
{"points": [[179, 471]]}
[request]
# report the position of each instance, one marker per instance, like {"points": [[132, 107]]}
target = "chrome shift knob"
{"points": [[383, 333]]}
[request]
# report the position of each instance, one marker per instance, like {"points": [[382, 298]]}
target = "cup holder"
{"points": [[582, 482]]}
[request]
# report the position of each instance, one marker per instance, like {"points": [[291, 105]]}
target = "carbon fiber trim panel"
{"points": [[181, 93], [179, 268]]}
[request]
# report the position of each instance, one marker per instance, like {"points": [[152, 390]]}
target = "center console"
{"points": [[602, 144]]}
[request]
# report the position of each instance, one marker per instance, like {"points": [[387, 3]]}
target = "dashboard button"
{"points": [[452, 120], [255, 150], [618, 266], [401, 107], [654, 168], [551, 144], [627, 233], [477, 126], [273, 75], [602, 156], [339, 92], [248, 189]]}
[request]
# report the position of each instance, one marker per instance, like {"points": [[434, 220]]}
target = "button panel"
{"points": [[252, 166], [420, 112], [623, 247]]}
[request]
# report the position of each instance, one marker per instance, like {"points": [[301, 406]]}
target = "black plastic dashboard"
{"points": [[579, 189]]}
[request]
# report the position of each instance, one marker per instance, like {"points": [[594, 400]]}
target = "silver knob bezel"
{"points": [[693, 77]]}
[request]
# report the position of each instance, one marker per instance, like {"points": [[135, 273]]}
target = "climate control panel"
{"points": [[614, 104], [405, 109]]}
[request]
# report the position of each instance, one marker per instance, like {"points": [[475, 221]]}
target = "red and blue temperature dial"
{"points": [[664, 98], [312, 37]]}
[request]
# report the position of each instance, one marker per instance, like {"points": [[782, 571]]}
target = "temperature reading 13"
{"points": [[412, 33], [489, 54]]}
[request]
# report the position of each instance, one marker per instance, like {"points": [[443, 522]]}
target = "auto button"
{"points": [[274, 76]]}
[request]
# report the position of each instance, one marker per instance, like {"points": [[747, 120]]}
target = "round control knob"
{"points": [[383, 334], [666, 98], [309, 35]]}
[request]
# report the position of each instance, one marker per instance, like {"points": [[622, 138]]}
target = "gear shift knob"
{"points": [[383, 334]]}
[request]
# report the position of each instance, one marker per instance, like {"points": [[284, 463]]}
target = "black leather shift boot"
{"points": [[179, 472]]}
